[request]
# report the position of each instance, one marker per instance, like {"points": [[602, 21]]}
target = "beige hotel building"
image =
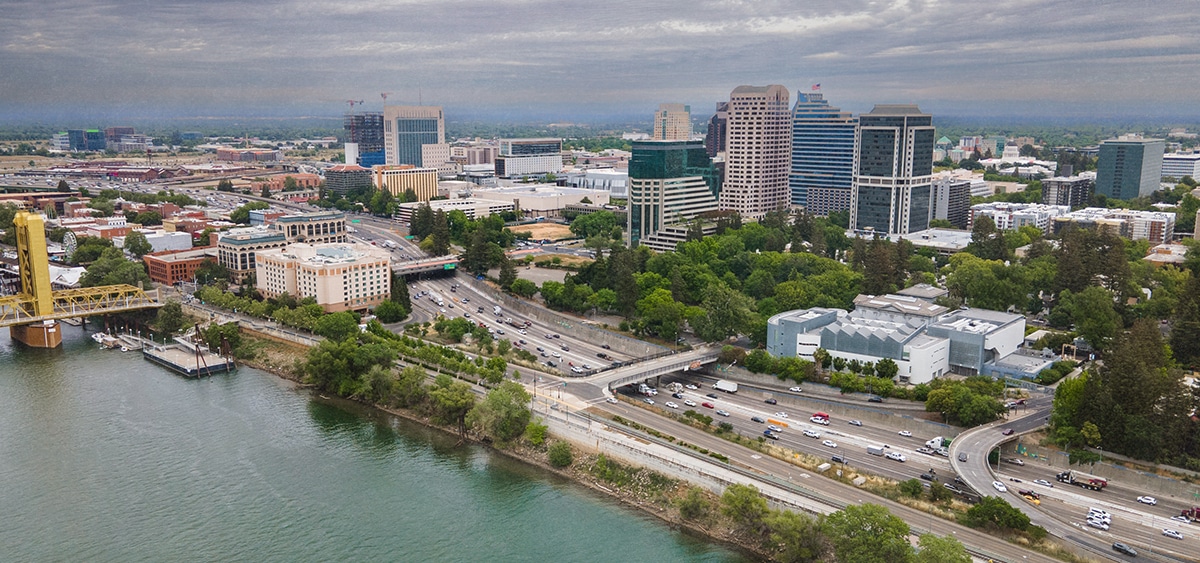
{"points": [[341, 277]]}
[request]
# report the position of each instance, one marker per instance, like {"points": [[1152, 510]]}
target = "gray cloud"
{"points": [[288, 57]]}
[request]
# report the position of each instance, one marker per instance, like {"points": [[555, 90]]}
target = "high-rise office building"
{"points": [[822, 154], [517, 158], [670, 183], [673, 122], [893, 170], [714, 139], [406, 128], [1129, 167], [366, 129], [952, 199], [758, 151]]}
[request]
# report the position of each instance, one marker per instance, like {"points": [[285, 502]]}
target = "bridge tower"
{"points": [[34, 266]]}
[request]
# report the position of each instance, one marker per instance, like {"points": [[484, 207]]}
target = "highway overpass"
{"points": [[646, 369]]}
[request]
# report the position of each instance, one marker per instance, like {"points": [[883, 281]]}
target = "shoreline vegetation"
{"points": [[740, 518]]}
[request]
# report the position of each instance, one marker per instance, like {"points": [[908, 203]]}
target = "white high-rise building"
{"points": [[758, 151]]}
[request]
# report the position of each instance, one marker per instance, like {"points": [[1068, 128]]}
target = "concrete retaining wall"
{"points": [[1145, 483]]}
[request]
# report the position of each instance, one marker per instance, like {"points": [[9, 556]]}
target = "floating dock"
{"points": [[186, 358]]}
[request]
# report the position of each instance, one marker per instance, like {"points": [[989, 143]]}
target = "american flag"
{"points": [[816, 86]]}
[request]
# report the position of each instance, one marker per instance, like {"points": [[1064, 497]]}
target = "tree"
{"points": [[148, 218], [912, 488], [290, 184], [265, 192], [987, 242], [594, 224], [210, 271], [452, 400], [112, 268], [661, 314], [242, 214], [475, 256], [523, 287], [422, 222], [225, 185], [440, 234], [504, 412], [868, 533], [726, 313], [560, 454], [137, 245], [1092, 312], [399, 293], [390, 312], [994, 512], [886, 368], [797, 537], [337, 326], [1185, 327], [508, 273], [941, 549], [169, 318], [745, 506], [410, 386], [694, 506]]}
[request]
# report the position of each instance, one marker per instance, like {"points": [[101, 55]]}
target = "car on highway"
{"points": [[556, 354], [1172, 534], [999, 486], [774, 428], [677, 395], [565, 349], [722, 413], [829, 444], [771, 401], [585, 366], [794, 389], [896, 456], [770, 434], [552, 364], [819, 420], [906, 433], [690, 403], [690, 386], [556, 335], [812, 433], [757, 419], [962, 456], [607, 347], [611, 399], [926, 451], [1181, 518], [1122, 548], [928, 477], [1098, 524], [671, 404], [711, 395], [648, 401], [1043, 483], [1008, 432], [708, 405], [1148, 500], [781, 414], [1014, 461], [854, 422]]}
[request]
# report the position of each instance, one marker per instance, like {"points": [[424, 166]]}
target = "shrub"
{"points": [[560, 454]]}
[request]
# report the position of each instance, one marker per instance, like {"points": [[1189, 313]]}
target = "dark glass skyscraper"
{"points": [[366, 129], [1129, 167], [670, 183], [893, 170], [822, 154]]}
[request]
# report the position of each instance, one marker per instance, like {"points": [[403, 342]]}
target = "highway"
{"points": [[1064, 507]]}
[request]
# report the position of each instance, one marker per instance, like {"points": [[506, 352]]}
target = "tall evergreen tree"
{"points": [[440, 233], [475, 255], [508, 273], [1185, 328], [399, 293], [422, 222], [620, 274]]}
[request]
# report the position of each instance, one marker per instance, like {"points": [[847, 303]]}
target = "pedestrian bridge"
{"points": [[425, 265], [641, 371]]}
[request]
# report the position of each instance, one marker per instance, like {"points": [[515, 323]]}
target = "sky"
{"points": [[575, 61]]}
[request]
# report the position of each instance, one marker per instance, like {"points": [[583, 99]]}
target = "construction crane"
{"points": [[354, 103], [384, 95]]}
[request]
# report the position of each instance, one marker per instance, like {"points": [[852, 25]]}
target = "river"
{"points": [[107, 457]]}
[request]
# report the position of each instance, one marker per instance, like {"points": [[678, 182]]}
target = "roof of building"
{"points": [[314, 216], [923, 291], [980, 321], [902, 304], [181, 255], [346, 168], [896, 109]]}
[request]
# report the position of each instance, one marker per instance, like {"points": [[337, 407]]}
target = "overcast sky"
{"points": [[564, 60]]}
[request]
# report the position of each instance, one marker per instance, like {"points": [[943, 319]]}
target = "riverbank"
{"points": [[653, 494]]}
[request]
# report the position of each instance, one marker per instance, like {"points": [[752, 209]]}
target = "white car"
{"points": [[690, 403], [648, 401], [999, 486], [1099, 524], [611, 399], [829, 444], [781, 414], [690, 386], [722, 413], [1172, 534], [556, 354], [855, 423], [812, 433], [794, 389], [896, 456], [671, 405], [1044, 483], [1183, 519], [774, 428], [816, 420], [1148, 500], [906, 433]]}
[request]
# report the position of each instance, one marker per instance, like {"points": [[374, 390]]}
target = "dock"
{"points": [[186, 358]]}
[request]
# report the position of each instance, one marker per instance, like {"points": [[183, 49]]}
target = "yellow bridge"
{"points": [[31, 315]]}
